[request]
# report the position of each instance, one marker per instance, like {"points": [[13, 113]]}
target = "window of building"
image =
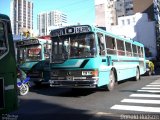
{"points": [[134, 20], [123, 23], [128, 21]]}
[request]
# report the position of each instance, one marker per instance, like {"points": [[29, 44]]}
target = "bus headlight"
{"points": [[90, 73]]}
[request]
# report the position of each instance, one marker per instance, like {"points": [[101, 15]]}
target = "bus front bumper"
{"points": [[39, 80], [74, 83]]}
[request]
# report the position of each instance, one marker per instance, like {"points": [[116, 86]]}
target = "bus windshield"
{"points": [[30, 53], [73, 46]]}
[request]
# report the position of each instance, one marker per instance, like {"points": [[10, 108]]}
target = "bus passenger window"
{"points": [[142, 52], [101, 44], [128, 49], [110, 45], [120, 47], [134, 47], [139, 51]]}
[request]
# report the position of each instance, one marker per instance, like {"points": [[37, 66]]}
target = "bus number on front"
{"points": [[82, 29]]}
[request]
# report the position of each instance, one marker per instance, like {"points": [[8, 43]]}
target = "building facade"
{"points": [[110, 10], [105, 14], [139, 28], [107, 11], [151, 7], [50, 20], [21, 14], [124, 8]]}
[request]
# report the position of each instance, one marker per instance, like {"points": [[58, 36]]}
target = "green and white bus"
{"points": [[33, 58], [85, 56], [8, 74]]}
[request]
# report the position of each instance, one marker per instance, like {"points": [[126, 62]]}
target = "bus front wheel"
{"points": [[111, 84]]}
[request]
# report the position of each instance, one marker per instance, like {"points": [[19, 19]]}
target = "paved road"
{"points": [[127, 99]]}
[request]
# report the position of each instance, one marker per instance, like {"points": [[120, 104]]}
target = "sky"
{"points": [[77, 11]]}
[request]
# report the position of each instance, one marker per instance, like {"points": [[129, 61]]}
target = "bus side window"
{"points": [[142, 52], [120, 47], [139, 51], [101, 44], [128, 49], [110, 45], [134, 47], [3, 42]]}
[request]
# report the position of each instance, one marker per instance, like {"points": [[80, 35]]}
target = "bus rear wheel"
{"points": [[111, 84], [137, 77]]}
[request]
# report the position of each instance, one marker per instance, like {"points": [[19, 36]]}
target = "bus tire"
{"points": [[137, 77], [112, 81], [149, 73], [37, 84]]}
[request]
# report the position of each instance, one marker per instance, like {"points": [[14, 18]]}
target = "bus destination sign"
{"points": [[70, 30], [27, 42]]}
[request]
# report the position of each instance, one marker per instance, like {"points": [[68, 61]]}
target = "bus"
{"points": [[85, 56], [33, 58], [8, 74]]}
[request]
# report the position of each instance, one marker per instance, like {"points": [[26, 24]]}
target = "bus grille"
{"points": [[35, 74], [66, 73]]}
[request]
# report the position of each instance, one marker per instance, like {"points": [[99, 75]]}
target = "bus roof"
{"points": [[91, 28], [117, 36], [33, 41], [5, 17]]}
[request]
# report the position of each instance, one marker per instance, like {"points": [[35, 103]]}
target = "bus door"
{"points": [[1, 92], [102, 50], [3, 53], [7, 69]]}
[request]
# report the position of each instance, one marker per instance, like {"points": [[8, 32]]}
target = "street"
{"points": [[127, 99]]}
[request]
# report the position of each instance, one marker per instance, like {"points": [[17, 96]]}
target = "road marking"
{"points": [[136, 108], [141, 101], [153, 85], [150, 91], [150, 88], [155, 82], [145, 95], [103, 113]]}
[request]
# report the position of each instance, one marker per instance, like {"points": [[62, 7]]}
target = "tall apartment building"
{"points": [[21, 14], [124, 7], [50, 20], [108, 11], [105, 13]]}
